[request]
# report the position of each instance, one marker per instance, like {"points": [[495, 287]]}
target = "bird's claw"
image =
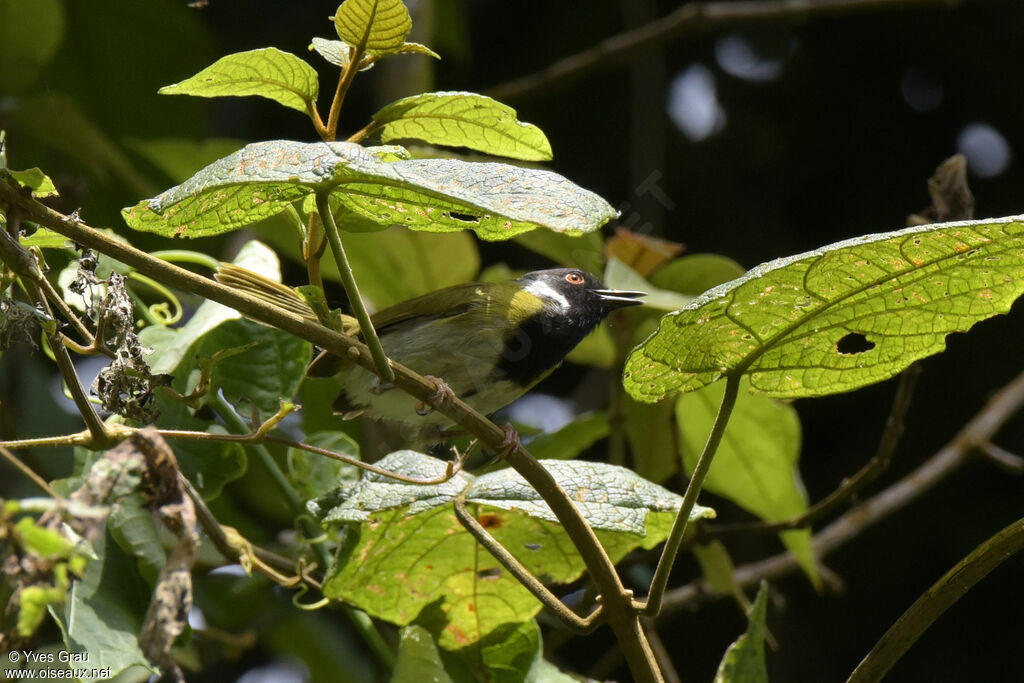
{"points": [[442, 394], [509, 443]]}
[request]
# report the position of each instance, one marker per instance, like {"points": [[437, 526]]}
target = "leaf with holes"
{"points": [[373, 187], [267, 72], [463, 119], [405, 551], [378, 26], [838, 318]]}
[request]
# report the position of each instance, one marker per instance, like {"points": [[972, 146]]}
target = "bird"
{"points": [[486, 342]]}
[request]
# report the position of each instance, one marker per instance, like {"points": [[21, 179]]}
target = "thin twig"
{"points": [[30, 473], [936, 600], [355, 56], [851, 486], [523, 575], [380, 359], [691, 19], [652, 605], [960, 450]]}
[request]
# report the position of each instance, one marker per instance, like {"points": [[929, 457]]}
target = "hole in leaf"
{"points": [[854, 343], [532, 546], [464, 217], [493, 573]]}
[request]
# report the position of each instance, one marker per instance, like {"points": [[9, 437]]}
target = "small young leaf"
{"points": [[838, 318], [462, 119], [417, 49], [35, 180], [379, 26], [314, 475], [46, 239], [744, 660], [334, 51], [377, 186], [267, 72], [572, 439]]}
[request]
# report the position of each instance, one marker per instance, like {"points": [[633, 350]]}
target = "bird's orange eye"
{"points": [[574, 278]]}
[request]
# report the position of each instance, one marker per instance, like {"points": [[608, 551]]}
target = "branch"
{"points": [[936, 600], [616, 599], [691, 19], [965, 445]]}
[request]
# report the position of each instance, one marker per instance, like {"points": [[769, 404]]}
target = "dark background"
{"points": [[835, 137]]}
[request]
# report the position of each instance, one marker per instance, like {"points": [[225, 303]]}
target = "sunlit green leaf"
{"points": [[755, 465], [46, 239], [462, 119], [42, 541], [35, 180], [417, 49], [334, 51], [407, 551], [266, 72], [744, 660], [694, 274], [838, 318], [618, 275], [374, 185], [379, 26]]}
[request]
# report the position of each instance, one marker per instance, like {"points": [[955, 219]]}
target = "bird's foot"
{"points": [[442, 394], [509, 443]]}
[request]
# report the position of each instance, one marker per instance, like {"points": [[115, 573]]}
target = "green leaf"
{"points": [[377, 188], [35, 180], [378, 26], [717, 567], [131, 524], [417, 49], [572, 439], [618, 275], [574, 251], [418, 659], [267, 72], [334, 51], [463, 119], [755, 465], [399, 264], [104, 612], [744, 660], [839, 318], [44, 542], [46, 239], [315, 475], [652, 438], [407, 551], [694, 274]]}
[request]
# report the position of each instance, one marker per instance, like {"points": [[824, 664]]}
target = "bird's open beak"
{"points": [[619, 298]]}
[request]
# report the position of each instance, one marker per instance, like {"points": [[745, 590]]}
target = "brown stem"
{"points": [[355, 56]]}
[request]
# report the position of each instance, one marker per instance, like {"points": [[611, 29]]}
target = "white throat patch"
{"points": [[548, 293]]}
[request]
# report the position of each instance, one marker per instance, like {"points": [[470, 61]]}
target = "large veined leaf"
{"points": [[406, 551], [267, 72], [377, 185], [838, 318], [379, 26], [463, 119]]}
